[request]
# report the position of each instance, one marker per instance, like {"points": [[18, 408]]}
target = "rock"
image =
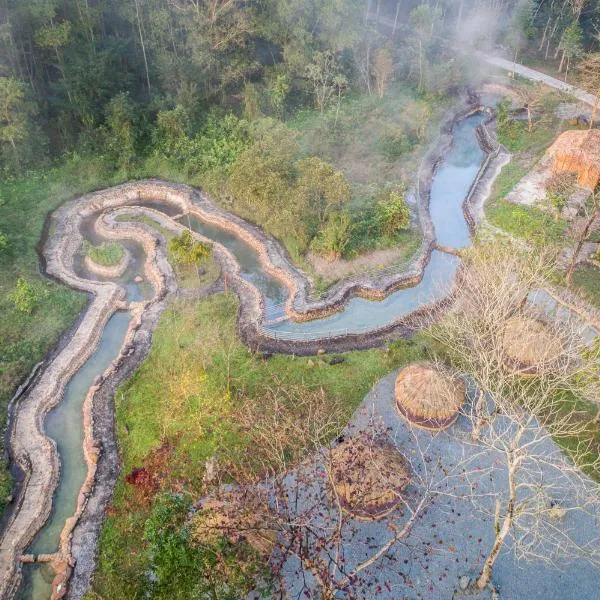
{"points": [[337, 360], [138, 279], [27, 558], [210, 470], [463, 582]]}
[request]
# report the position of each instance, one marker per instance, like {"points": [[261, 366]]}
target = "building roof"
{"points": [[427, 396]]}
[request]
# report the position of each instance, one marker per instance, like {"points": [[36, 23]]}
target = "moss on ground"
{"points": [[586, 279], [107, 254]]}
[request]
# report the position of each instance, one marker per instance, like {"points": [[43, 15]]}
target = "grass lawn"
{"points": [[586, 279], [177, 407], [532, 224]]}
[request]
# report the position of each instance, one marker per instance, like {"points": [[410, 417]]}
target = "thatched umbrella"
{"points": [[529, 344], [237, 520], [428, 397], [367, 476], [578, 152]]}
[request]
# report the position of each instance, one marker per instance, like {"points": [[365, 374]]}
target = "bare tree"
{"points": [[383, 67], [530, 373], [588, 72], [291, 505], [590, 217]]}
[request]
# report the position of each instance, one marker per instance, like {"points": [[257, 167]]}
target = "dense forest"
{"points": [[130, 78]]}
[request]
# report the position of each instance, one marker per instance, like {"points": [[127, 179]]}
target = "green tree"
{"points": [[120, 130], [261, 178], [424, 22], [187, 251], [54, 36], [278, 90], [334, 238], [15, 114], [324, 74], [393, 213], [172, 128], [25, 296], [570, 46], [320, 189]]}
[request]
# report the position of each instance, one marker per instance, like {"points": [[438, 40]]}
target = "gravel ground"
{"points": [[452, 537]]}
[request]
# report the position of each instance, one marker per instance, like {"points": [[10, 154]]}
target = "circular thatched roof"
{"points": [[529, 344], [368, 476], [428, 397], [236, 522]]}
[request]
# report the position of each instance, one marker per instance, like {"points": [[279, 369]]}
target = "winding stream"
{"points": [[451, 182]]}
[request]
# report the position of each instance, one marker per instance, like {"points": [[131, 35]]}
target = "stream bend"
{"points": [[36, 454]]}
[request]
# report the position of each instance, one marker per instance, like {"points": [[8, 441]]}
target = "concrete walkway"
{"points": [[534, 75]]}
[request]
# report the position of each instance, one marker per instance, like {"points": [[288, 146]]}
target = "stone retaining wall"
{"points": [[36, 454]]}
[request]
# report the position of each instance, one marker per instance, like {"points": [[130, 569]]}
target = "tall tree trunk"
{"points": [[562, 62], [582, 240], [501, 532], [398, 4], [139, 24]]}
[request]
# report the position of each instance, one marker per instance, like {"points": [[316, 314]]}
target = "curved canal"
{"points": [[451, 182]]}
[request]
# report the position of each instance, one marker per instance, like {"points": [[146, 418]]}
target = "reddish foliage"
{"points": [[154, 476]]}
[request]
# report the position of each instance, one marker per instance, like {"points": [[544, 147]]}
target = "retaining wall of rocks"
{"points": [[36, 454]]}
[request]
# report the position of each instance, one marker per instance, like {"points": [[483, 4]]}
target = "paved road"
{"points": [[534, 75]]}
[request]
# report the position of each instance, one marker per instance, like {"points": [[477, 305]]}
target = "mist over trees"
{"points": [[81, 75]]}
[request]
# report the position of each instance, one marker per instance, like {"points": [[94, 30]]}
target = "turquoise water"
{"points": [[64, 425], [251, 269]]}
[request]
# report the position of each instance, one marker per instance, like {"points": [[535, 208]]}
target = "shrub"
{"points": [[395, 145], [393, 213], [187, 251], [25, 296], [334, 238]]}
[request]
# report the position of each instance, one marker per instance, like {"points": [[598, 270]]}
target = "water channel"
{"points": [[450, 186]]}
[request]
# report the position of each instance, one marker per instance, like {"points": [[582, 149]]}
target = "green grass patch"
{"points": [[184, 394], [586, 279], [107, 254], [527, 222]]}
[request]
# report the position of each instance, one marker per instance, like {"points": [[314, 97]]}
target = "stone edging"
{"points": [[36, 454], [109, 271]]}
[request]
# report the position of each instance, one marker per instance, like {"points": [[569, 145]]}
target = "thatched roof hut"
{"points": [[428, 397], [237, 519], [368, 476], [578, 152], [529, 344]]}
